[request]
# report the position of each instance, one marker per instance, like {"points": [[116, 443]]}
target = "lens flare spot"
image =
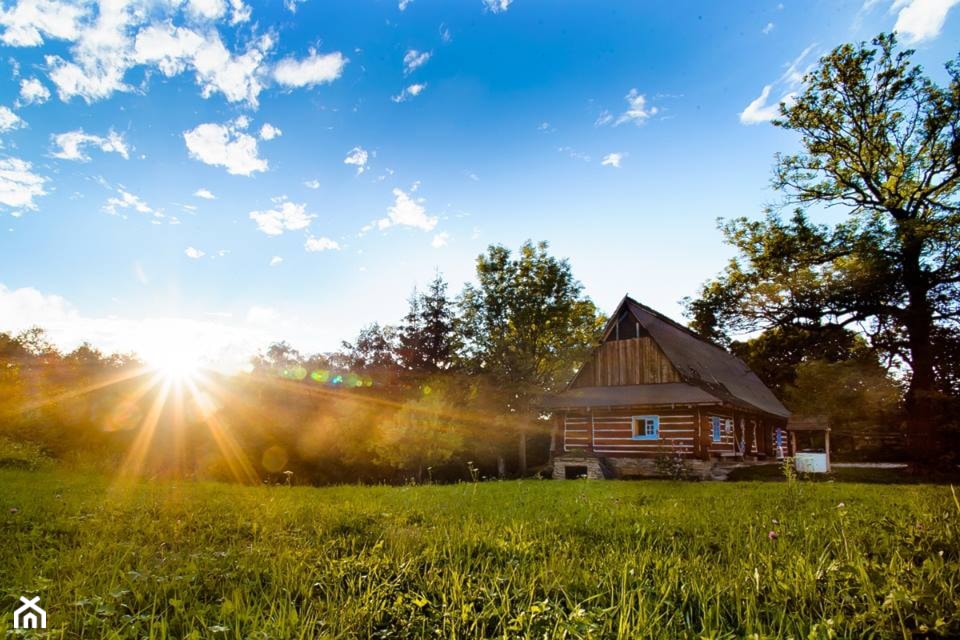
{"points": [[274, 459]]}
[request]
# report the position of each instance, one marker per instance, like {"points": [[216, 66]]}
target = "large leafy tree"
{"points": [[881, 140], [525, 325]]}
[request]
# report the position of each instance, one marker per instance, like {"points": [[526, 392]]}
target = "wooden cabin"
{"points": [[654, 388]]}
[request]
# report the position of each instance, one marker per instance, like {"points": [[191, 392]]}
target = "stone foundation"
{"points": [[569, 467], [574, 467]]}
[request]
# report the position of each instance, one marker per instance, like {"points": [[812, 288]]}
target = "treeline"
{"points": [[449, 391]]}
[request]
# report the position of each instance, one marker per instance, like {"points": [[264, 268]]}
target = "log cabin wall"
{"points": [[630, 361], [610, 432]]}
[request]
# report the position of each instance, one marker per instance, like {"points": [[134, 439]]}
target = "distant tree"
{"points": [[776, 353], [852, 392], [426, 337], [880, 139], [375, 347], [526, 326], [423, 433], [279, 358]]}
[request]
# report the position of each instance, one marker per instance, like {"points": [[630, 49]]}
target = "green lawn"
{"points": [[532, 559]]}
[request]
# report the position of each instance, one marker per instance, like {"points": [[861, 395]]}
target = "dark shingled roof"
{"points": [[713, 371], [626, 395]]}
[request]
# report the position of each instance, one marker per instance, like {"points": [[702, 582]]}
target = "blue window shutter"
{"points": [[716, 428]]}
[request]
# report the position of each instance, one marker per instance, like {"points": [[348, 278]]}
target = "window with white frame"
{"points": [[646, 427]]}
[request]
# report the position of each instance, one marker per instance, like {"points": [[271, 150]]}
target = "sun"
{"points": [[174, 363]]}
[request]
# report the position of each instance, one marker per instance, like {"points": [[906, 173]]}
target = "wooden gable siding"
{"points": [[622, 362], [611, 432]]}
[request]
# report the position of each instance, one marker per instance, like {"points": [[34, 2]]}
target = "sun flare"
{"points": [[175, 364]]}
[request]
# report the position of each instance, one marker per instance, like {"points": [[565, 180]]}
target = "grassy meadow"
{"points": [[524, 559]]}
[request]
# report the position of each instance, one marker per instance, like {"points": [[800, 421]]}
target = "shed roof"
{"points": [[629, 395], [808, 423]]}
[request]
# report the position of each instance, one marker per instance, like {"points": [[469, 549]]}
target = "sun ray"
{"points": [[236, 460]]}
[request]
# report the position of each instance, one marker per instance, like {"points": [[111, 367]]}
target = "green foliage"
{"points": [[878, 138], [848, 393], [524, 559], [426, 337], [526, 324], [424, 432]]}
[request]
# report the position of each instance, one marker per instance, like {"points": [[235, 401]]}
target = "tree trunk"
{"points": [[920, 402], [501, 467], [523, 450]]}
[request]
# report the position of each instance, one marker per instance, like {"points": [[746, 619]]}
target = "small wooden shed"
{"points": [[808, 427]]}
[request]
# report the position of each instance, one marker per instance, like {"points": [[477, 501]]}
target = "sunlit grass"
{"points": [[514, 559]]}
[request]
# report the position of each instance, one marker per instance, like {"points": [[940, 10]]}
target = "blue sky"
{"points": [[221, 173]]}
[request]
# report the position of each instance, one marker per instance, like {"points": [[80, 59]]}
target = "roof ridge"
{"points": [[672, 322]]}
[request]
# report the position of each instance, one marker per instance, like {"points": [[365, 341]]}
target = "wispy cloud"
{"points": [[761, 109], [320, 244], [310, 71], [414, 59], [71, 145], [19, 185], [409, 92], [612, 160], [496, 6], [286, 216], [357, 157]]}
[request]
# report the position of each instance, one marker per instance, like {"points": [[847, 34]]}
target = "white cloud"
{"points": [[407, 212], [194, 253], [19, 185], [225, 146], [411, 91], [269, 132], [440, 240], [496, 6], [759, 111], [414, 59], [70, 145], [32, 91], [637, 110], [275, 260], [207, 9], [206, 194], [312, 70], [920, 20], [767, 28], [287, 216], [358, 157], [403, 4], [291, 5], [787, 85], [312, 184], [9, 120], [239, 77], [239, 12], [320, 244], [28, 21], [612, 160], [125, 201]]}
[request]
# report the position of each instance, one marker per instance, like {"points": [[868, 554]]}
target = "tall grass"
{"points": [[531, 559]]}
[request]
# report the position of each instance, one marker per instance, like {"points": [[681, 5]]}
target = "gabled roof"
{"points": [[699, 362]]}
